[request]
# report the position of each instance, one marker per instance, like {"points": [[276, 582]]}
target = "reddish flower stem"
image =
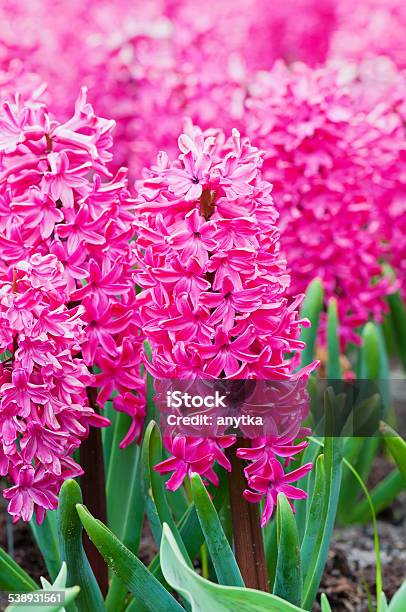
{"points": [[248, 541]]}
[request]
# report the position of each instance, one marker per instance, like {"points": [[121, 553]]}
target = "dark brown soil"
{"points": [[351, 568]]}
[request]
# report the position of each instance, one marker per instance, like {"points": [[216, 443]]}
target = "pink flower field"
{"points": [[202, 305]]}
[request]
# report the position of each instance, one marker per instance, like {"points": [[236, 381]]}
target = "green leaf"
{"points": [[333, 456], [378, 579], [124, 499], [189, 526], [206, 596], [131, 571], [12, 576], [271, 550], [70, 531], [59, 585], [316, 512], [373, 367], [309, 455], [152, 413], [333, 345], [384, 371], [398, 317], [396, 446], [225, 565], [398, 601], [152, 455], [325, 606], [370, 354], [311, 309], [288, 578], [382, 604], [381, 495], [108, 433], [46, 536], [178, 502]]}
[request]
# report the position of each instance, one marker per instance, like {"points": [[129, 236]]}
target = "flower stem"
{"points": [[248, 541], [94, 492]]}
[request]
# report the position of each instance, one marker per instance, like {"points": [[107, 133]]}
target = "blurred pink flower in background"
{"points": [[370, 28], [325, 156]]}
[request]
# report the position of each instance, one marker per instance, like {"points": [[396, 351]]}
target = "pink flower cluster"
{"points": [[145, 59], [213, 301], [60, 204], [370, 28], [381, 89], [321, 149], [266, 476], [183, 65], [44, 410]]}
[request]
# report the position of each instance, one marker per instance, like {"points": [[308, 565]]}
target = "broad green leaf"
{"points": [[396, 446], [288, 578], [116, 595], [152, 413], [47, 588], [132, 523], [373, 367], [125, 502], [206, 596], [131, 571], [302, 509], [189, 526], [370, 353], [271, 551], [152, 455], [70, 531], [384, 371], [398, 601], [325, 606], [333, 456], [224, 562], [178, 502], [382, 604], [311, 309], [12, 576], [135, 606], [46, 536], [108, 433], [360, 451], [333, 344], [312, 529], [398, 317]]}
